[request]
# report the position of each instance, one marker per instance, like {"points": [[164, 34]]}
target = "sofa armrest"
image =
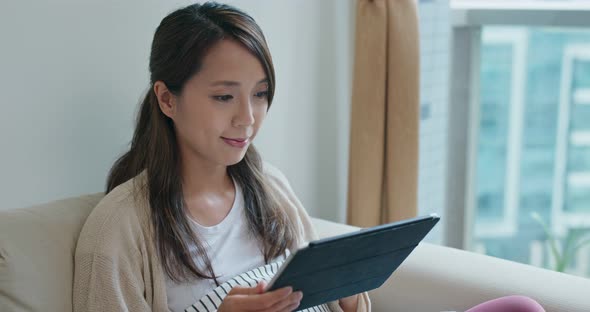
{"points": [[438, 278]]}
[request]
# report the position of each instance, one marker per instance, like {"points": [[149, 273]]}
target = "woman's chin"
{"points": [[230, 161]]}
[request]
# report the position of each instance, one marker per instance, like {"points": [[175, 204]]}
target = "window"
{"points": [[527, 184], [533, 151]]}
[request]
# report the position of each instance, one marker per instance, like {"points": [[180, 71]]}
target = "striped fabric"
{"points": [[212, 300]]}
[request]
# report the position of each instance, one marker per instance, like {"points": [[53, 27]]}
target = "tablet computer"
{"points": [[336, 267]]}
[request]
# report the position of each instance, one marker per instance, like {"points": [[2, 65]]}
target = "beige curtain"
{"points": [[383, 168]]}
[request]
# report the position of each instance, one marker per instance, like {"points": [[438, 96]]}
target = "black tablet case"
{"points": [[348, 264]]}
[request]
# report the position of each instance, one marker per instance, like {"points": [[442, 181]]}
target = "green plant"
{"points": [[570, 248]]}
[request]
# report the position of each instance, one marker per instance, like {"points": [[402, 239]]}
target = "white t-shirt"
{"points": [[231, 248]]}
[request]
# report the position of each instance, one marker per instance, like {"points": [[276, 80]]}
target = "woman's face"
{"points": [[221, 108]]}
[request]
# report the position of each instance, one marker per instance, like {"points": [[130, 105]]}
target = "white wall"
{"points": [[307, 131], [72, 74]]}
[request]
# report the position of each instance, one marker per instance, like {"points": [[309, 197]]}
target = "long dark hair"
{"points": [[180, 43]]}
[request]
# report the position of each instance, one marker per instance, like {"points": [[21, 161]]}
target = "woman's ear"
{"points": [[166, 100]]}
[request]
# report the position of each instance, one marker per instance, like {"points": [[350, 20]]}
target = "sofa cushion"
{"points": [[37, 247]]}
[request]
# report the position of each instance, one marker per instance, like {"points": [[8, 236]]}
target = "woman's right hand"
{"points": [[255, 299]]}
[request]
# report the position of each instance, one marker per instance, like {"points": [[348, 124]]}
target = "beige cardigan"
{"points": [[117, 267]]}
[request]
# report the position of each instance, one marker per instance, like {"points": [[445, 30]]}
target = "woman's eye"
{"points": [[261, 94], [223, 98]]}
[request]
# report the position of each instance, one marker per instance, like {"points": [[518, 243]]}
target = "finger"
{"points": [[277, 295], [264, 301], [262, 285], [292, 299]]}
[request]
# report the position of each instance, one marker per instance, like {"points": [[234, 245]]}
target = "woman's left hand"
{"points": [[349, 304]]}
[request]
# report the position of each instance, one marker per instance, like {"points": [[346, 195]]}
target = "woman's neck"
{"points": [[200, 177], [208, 191]]}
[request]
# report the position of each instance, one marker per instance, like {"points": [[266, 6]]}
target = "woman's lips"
{"points": [[239, 143]]}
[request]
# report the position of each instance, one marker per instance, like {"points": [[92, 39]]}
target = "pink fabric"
{"points": [[509, 304]]}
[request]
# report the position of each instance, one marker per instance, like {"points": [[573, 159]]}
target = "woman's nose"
{"points": [[245, 114]]}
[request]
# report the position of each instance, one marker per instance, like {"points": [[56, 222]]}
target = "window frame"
{"points": [[508, 225], [566, 220]]}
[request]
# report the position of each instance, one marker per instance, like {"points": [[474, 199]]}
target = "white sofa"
{"points": [[37, 247]]}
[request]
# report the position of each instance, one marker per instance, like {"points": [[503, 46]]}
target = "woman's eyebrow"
{"points": [[229, 83], [264, 80]]}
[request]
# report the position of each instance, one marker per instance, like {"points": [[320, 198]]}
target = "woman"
{"points": [[191, 205], [193, 220]]}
